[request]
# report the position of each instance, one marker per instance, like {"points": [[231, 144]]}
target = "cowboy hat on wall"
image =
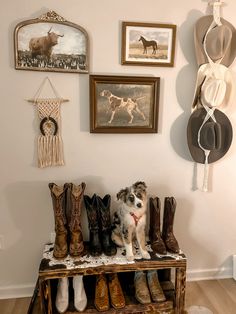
{"points": [[209, 131]]}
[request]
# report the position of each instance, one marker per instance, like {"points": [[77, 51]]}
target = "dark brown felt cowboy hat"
{"points": [[220, 41], [214, 136]]}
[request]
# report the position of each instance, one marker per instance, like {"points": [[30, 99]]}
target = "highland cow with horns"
{"points": [[42, 46]]}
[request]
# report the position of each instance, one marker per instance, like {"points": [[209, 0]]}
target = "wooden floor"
{"points": [[219, 296]]}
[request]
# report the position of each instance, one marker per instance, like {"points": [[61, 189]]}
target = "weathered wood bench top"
{"points": [[89, 265]]}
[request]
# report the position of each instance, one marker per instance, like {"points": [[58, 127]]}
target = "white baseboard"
{"points": [[22, 291], [208, 274], [19, 291]]}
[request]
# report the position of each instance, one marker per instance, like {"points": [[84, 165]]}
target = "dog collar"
{"points": [[136, 218]]}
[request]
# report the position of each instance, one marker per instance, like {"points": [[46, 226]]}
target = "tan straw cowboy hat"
{"points": [[220, 42]]}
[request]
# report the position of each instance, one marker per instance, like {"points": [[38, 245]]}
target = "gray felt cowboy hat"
{"points": [[214, 136], [221, 41]]}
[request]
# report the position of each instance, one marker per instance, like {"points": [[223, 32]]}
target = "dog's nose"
{"points": [[139, 205]]}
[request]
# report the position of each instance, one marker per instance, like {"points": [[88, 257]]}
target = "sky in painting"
{"points": [[73, 41]]}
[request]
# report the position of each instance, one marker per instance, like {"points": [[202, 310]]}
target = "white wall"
{"points": [[204, 224]]}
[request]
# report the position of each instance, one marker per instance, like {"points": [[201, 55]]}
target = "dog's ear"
{"points": [[140, 185], [122, 194]]}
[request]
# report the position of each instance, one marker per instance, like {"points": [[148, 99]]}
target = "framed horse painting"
{"points": [[148, 44], [124, 104]]}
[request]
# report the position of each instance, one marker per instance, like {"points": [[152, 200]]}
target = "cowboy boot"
{"points": [[62, 297], [141, 289], [94, 241], [101, 301], [116, 293], [103, 206], [155, 287], [58, 199], [80, 298], [73, 204], [168, 222], [157, 244]]}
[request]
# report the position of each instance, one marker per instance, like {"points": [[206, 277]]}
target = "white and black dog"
{"points": [[116, 103], [130, 219]]}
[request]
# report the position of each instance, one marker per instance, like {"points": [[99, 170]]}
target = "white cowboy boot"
{"points": [[80, 298], [62, 298]]}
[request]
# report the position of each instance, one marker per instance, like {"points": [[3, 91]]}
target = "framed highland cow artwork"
{"points": [[50, 43], [148, 44], [124, 104]]}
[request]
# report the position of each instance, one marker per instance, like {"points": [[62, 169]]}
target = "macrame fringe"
{"points": [[50, 151]]}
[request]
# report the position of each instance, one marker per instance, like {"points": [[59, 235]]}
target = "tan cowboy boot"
{"points": [[155, 287], [101, 301], [116, 293], [141, 289], [73, 204], [157, 244], [168, 222], [58, 199]]}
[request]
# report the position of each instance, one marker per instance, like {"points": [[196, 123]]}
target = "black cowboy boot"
{"points": [[73, 204], [168, 222], [103, 205], [157, 244], [94, 241], [58, 199]]}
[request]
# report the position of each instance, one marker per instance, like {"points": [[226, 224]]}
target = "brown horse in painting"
{"points": [[148, 43]]}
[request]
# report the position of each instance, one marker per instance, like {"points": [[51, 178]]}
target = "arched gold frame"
{"points": [[24, 60]]}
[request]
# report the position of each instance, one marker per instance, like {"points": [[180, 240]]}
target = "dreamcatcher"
{"points": [[50, 145]]}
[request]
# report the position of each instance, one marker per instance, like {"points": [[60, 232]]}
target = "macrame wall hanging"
{"points": [[50, 145]]}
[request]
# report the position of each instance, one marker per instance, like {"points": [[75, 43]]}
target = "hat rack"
{"points": [[216, 3]]}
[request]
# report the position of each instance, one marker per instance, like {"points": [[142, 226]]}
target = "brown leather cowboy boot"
{"points": [[168, 222], [157, 244], [95, 247], [103, 206], [116, 294], [101, 301], [58, 200], [73, 206]]}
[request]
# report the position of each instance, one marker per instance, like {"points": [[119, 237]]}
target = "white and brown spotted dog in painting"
{"points": [[130, 219], [116, 103]]}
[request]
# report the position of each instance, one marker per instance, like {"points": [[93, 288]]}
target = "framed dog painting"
{"points": [[50, 43], [124, 104], [148, 44]]}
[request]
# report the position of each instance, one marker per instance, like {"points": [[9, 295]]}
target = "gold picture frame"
{"points": [[124, 104], [51, 43], [148, 44]]}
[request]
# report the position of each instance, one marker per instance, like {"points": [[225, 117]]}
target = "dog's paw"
{"points": [[146, 255], [130, 258]]}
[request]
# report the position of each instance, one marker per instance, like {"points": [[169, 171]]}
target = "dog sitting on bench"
{"points": [[130, 219]]}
